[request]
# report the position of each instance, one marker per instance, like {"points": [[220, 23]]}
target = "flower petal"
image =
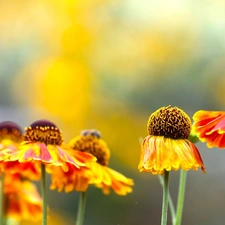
{"points": [[159, 153], [119, 183], [210, 127], [23, 199]]}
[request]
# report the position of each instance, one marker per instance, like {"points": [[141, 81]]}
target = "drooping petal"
{"points": [[79, 179], [159, 153], [47, 154], [77, 158], [73, 179], [120, 184]]}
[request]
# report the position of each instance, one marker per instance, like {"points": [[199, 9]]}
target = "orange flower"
{"points": [[99, 173], [167, 146], [10, 138], [210, 127], [114, 180], [73, 178], [43, 143], [22, 200]]}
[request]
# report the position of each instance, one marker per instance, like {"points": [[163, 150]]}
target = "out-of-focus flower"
{"points": [[99, 174], [210, 127], [10, 134], [22, 200], [73, 179], [43, 143], [10, 138], [167, 146]]}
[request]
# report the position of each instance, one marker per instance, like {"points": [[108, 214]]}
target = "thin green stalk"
{"points": [[181, 194], [2, 199], [165, 198], [171, 205], [81, 208], [43, 191]]}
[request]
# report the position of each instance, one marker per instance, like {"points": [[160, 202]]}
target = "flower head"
{"points": [[98, 174], [167, 146], [22, 200], [210, 127], [43, 143], [10, 138], [10, 134], [90, 141]]}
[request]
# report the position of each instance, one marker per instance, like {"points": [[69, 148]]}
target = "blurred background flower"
{"points": [[108, 65]]}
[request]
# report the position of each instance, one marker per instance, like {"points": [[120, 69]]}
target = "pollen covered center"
{"points": [[43, 131], [170, 122], [92, 144]]}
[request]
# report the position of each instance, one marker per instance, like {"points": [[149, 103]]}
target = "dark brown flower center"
{"points": [[170, 122], [43, 131], [90, 142], [11, 130]]}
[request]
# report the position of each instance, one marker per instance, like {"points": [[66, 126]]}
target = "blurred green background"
{"points": [[108, 64]]}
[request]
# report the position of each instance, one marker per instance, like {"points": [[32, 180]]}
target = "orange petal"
{"points": [[159, 153], [210, 127]]}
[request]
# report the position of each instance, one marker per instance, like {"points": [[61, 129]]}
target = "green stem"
{"points": [[43, 191], [165, 198], [2, 199], [181, 194], [81, 208], [171, 205]]}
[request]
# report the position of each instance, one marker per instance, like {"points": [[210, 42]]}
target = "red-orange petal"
{"points": [[29, 170], [210, 127], [48, 154], [23, 199]]}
